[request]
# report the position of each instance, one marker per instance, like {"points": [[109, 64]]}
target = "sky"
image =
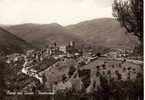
{"points": [[64, 12]]}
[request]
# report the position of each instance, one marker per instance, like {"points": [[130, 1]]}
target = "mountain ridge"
{"points": [[43, 34], [10, 43], [104, 32]]}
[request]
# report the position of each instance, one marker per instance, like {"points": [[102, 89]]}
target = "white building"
{"points": [[62, 48]]}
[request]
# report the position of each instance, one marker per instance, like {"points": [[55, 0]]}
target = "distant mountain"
{"points": [[105, 32], [43, 34], [9, 43]]}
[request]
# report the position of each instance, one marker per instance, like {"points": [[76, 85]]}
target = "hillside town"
{"points": [[67, 68]]}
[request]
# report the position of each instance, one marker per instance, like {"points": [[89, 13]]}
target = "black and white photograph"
{"points": [[71, 50]]}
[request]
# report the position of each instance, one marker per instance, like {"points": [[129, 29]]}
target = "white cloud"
{"points": [[46, 11]]}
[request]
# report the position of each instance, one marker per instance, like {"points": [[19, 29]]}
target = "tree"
{"points": [[130, 15]]}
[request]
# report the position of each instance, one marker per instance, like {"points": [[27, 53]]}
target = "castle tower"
{"points": [[72, 43]]}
